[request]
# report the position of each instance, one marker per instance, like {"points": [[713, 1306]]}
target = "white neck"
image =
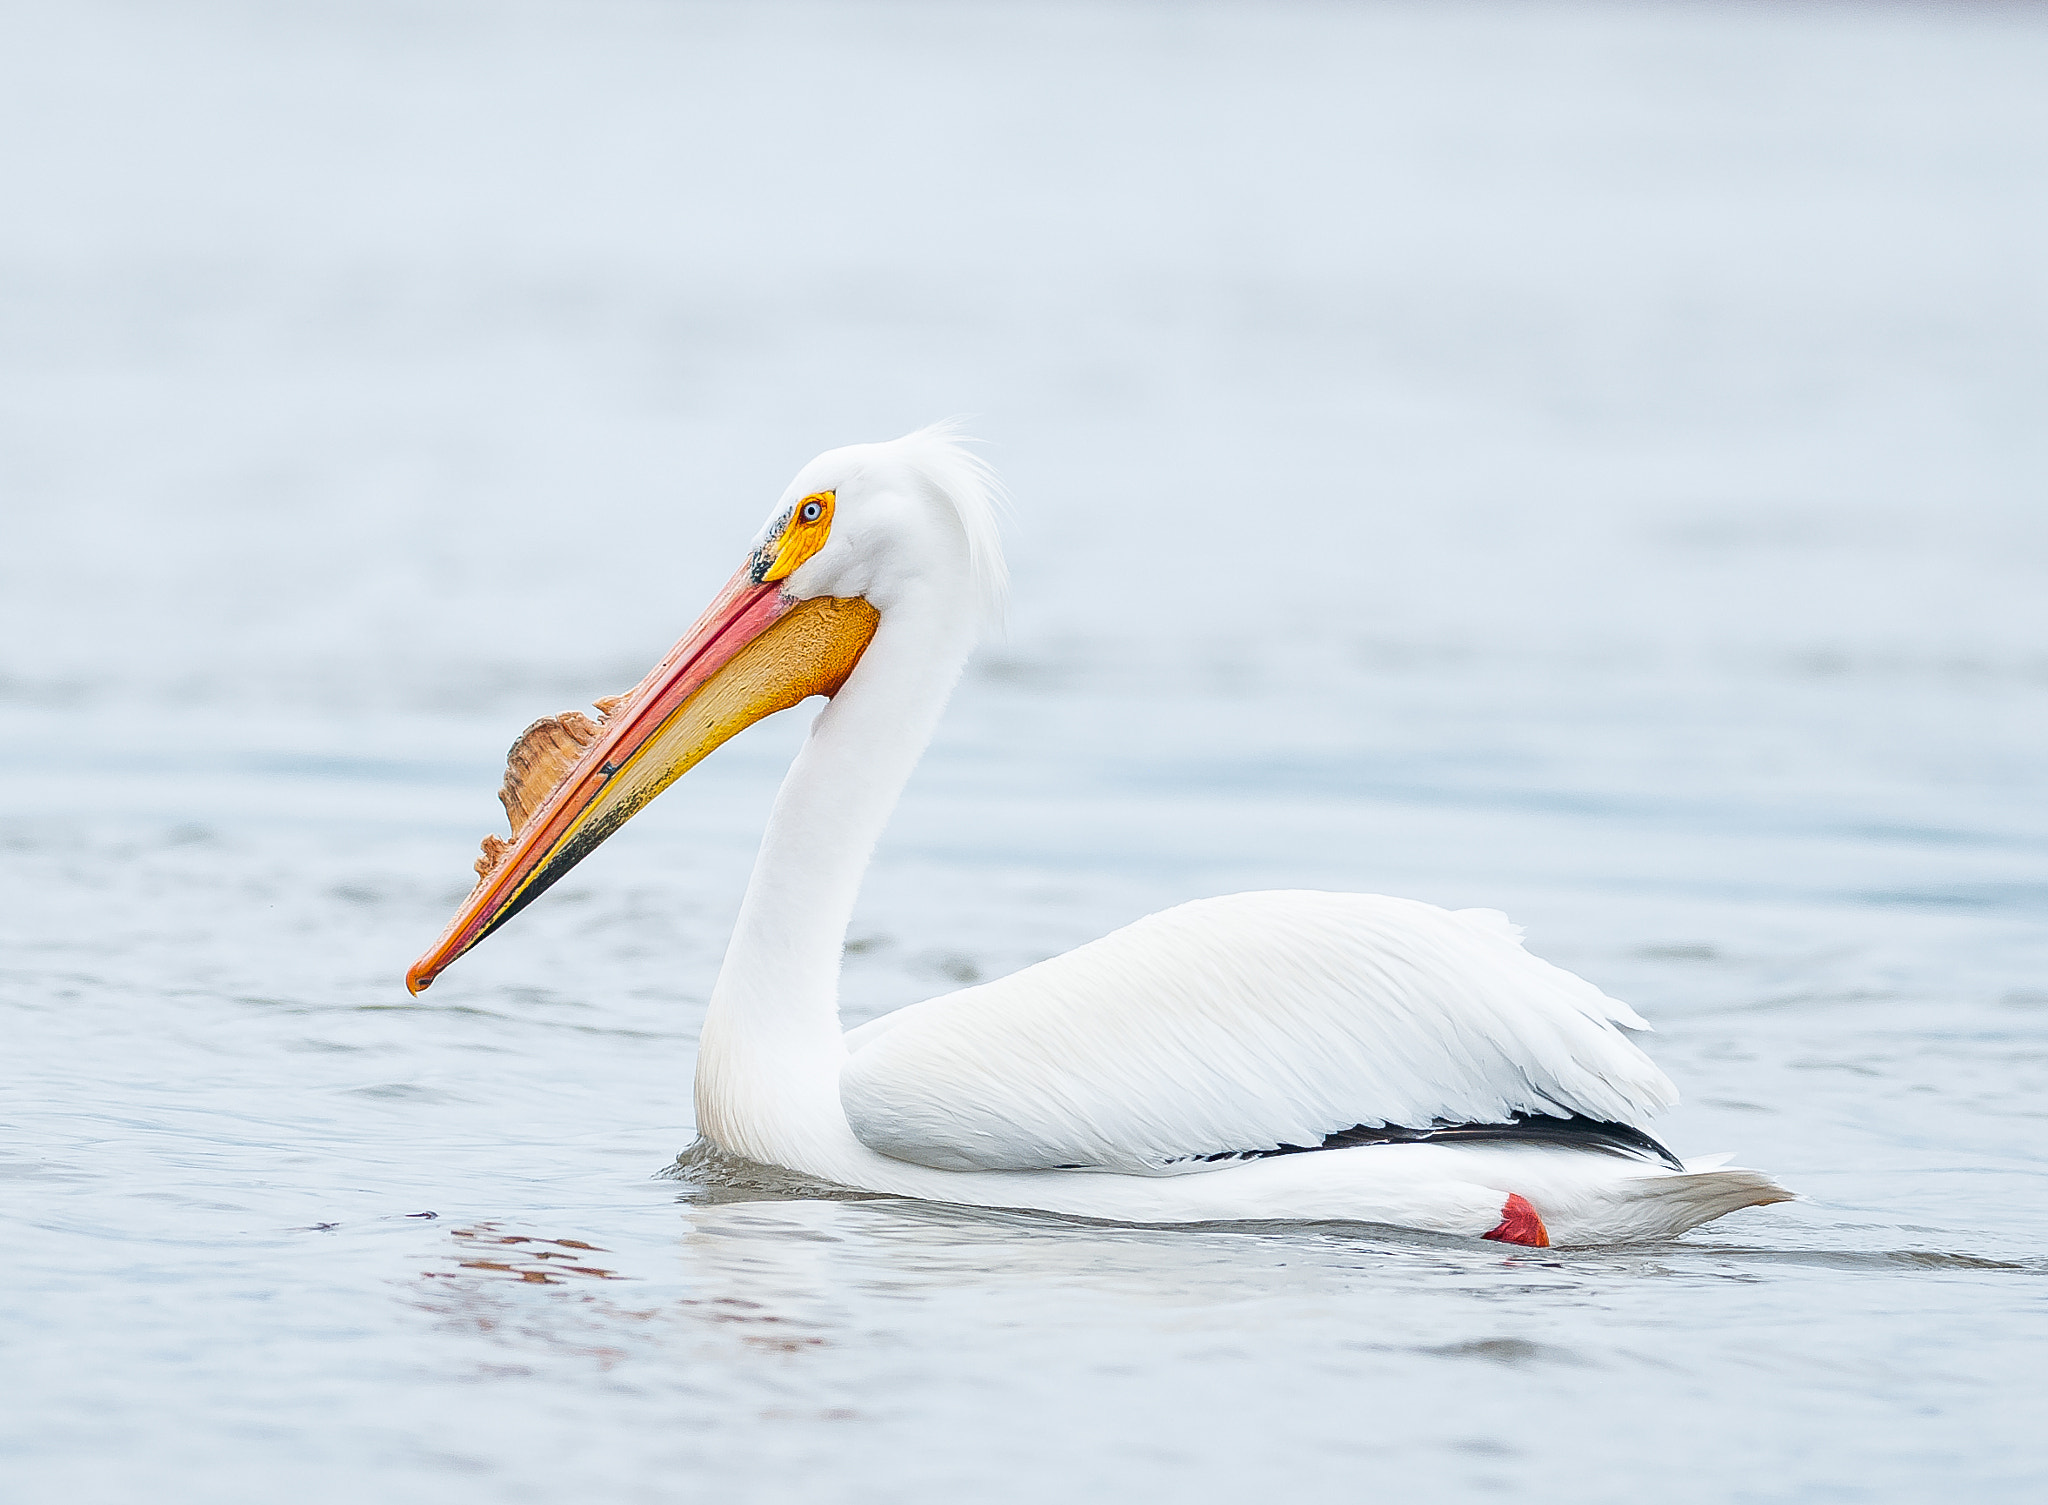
{"points": [[768, 1062]]}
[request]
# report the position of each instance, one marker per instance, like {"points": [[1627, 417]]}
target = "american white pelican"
{"points": [[1261, 1056]]}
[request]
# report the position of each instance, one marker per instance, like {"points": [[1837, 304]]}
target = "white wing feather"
{"points": [[1239, 1024]]}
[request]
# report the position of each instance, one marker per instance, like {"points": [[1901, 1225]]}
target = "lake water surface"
{"points": [[1584, 461]]}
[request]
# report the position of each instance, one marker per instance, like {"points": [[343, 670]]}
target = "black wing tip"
{"points": [[1577, 1132]]}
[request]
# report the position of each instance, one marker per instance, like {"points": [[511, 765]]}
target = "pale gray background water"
{"points": [[1585, 461]]}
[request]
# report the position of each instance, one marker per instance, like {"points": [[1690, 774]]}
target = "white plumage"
{"points": [[1244, 1024]]}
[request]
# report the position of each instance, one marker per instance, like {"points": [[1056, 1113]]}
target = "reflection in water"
{"points": [[536, 1261], [759, 1278]]}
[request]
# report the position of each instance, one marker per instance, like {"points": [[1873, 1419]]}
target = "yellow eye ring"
{"points": [[801, 533]]}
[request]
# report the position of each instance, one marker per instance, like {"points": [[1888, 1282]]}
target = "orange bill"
{"points": [[754, 652]]}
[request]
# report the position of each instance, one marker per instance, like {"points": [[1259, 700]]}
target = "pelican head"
{"points": [[910, 519], [905, 528]]}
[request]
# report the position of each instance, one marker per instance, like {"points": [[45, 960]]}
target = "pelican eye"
{"points": [[804, 530]]}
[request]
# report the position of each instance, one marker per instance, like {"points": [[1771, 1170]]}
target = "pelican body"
{"points": [[1286, 1055]]}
